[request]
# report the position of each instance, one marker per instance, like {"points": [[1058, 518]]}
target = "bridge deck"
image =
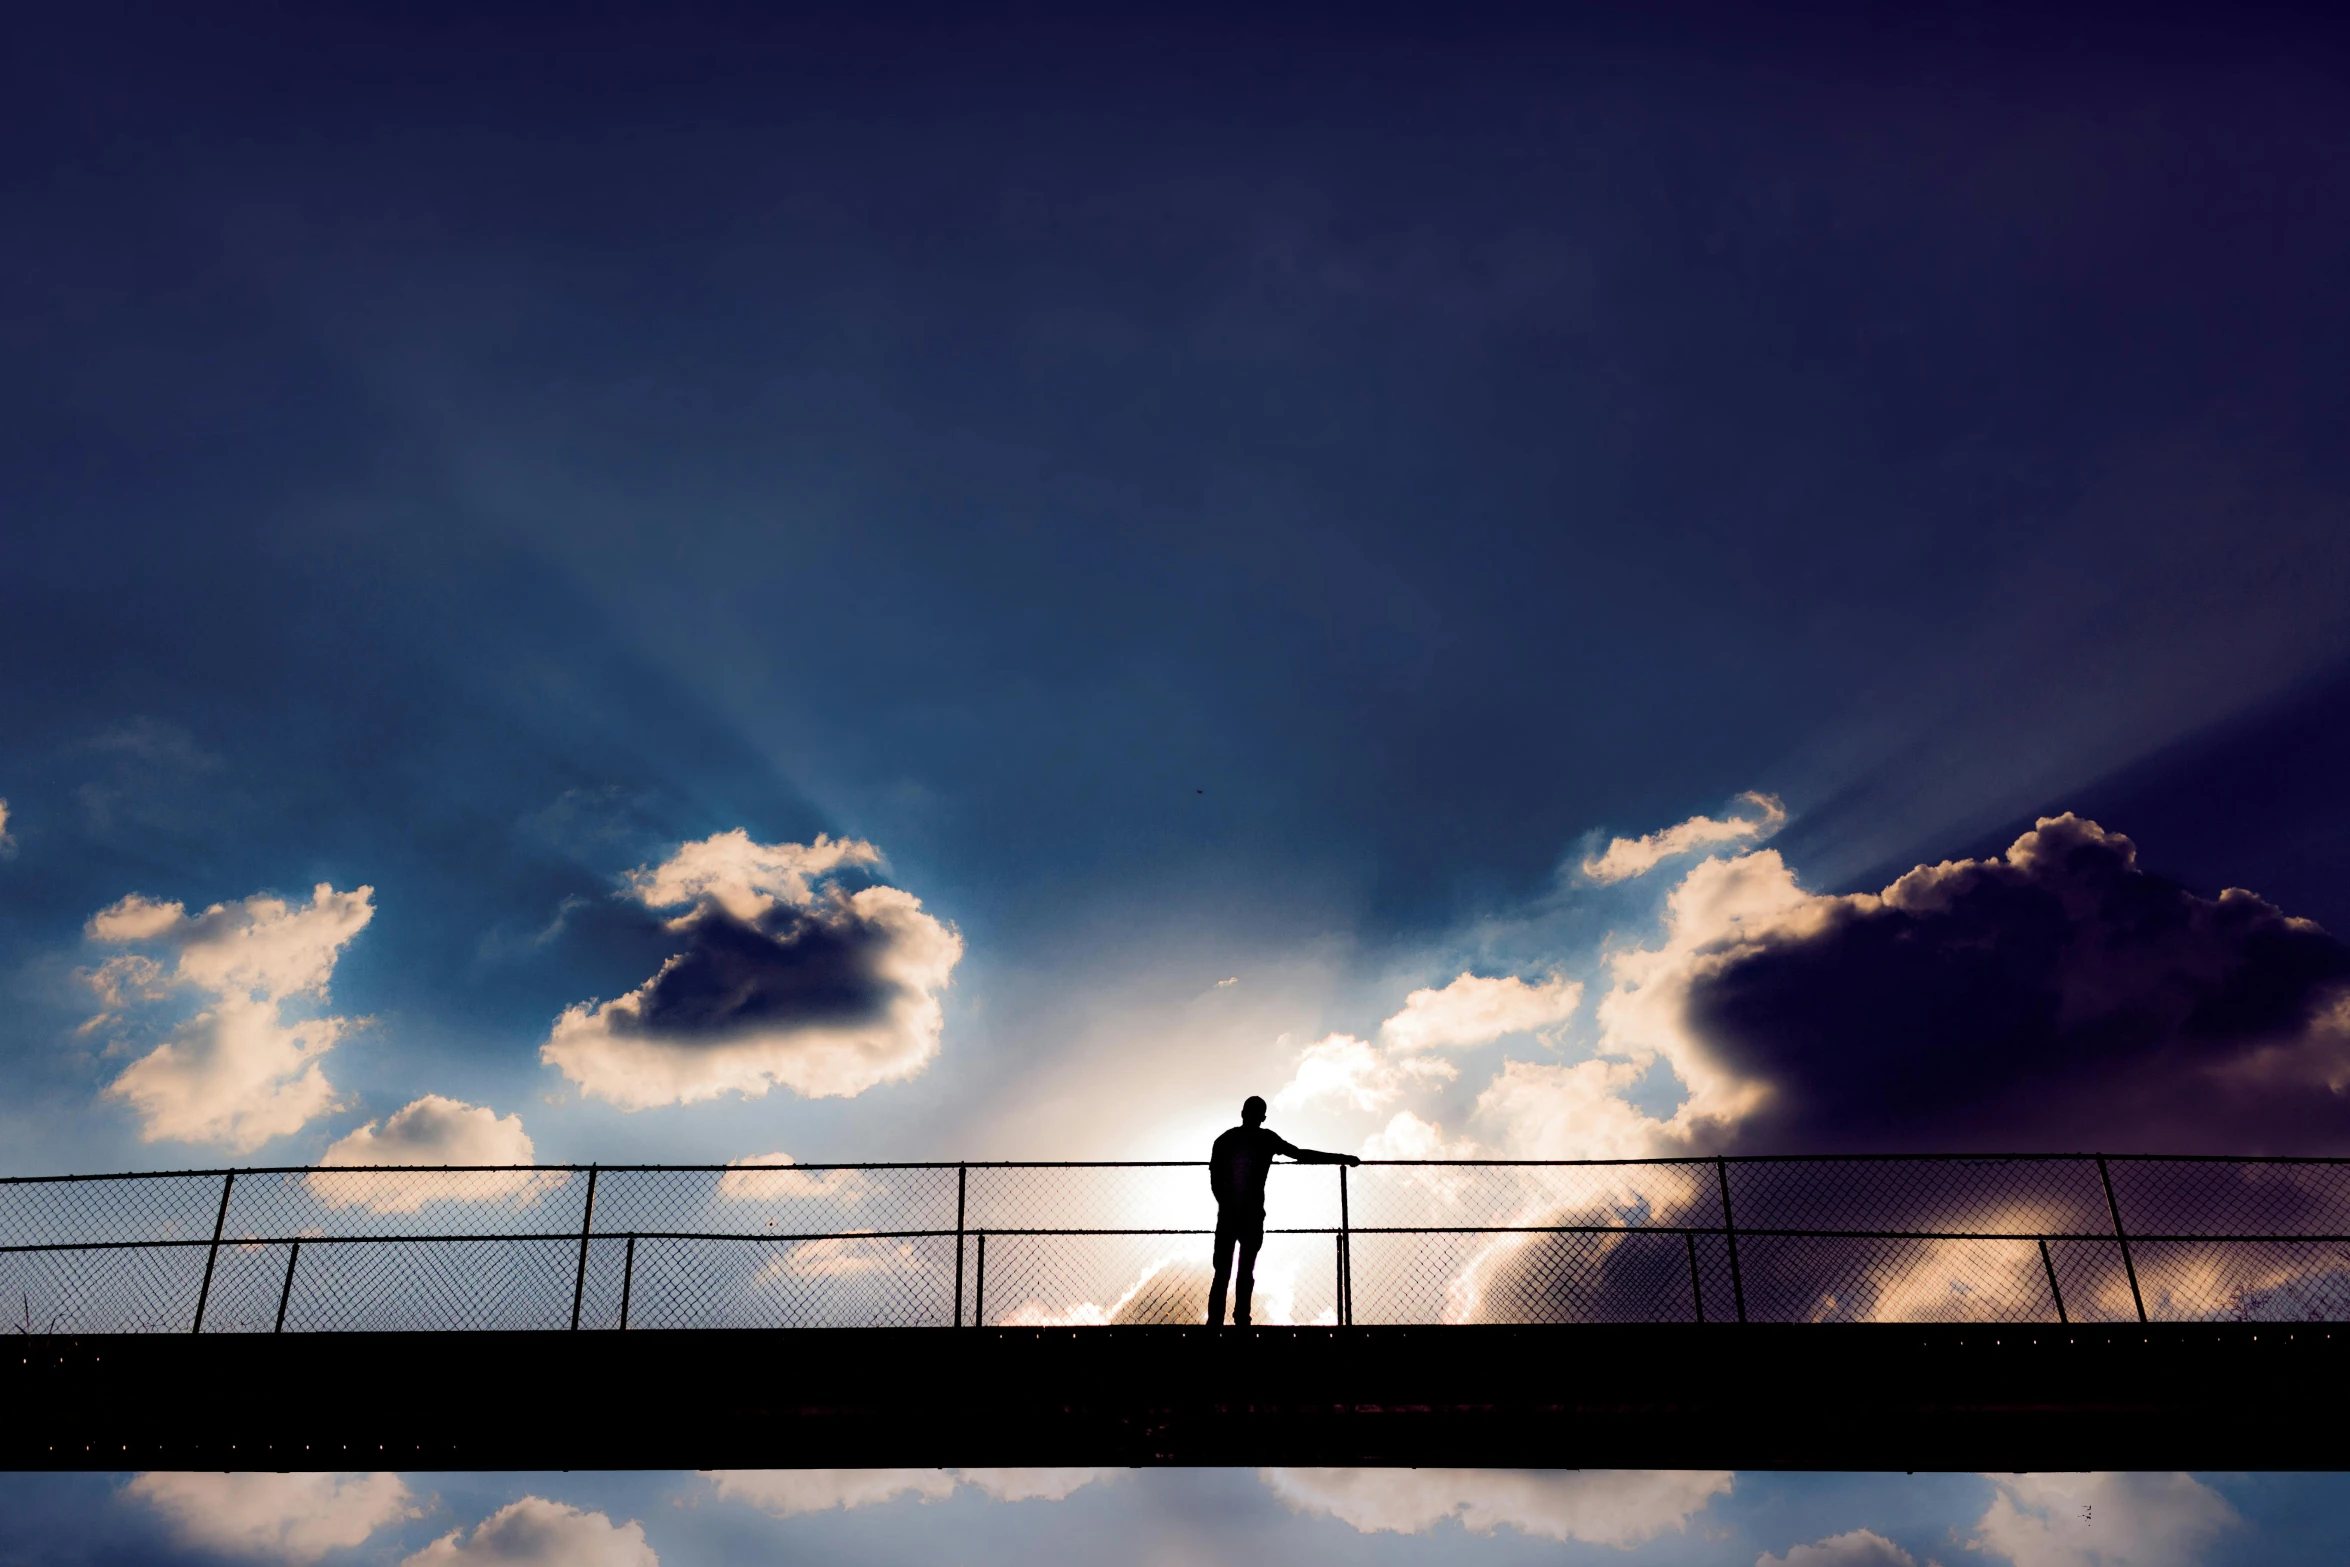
{"points": [[1874, 1397]]}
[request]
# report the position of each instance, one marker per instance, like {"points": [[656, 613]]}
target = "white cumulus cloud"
{"points": [[1350, 1073], [788, 1493], [744, 878], [1406, 1136], [1625, 858], [2102, 1520], [239, 1072], [1580, 1110], [430, 1130], [1853, 1548], [535, 1532], [786, 979], [1033, 1485], [7, 839], [1476, 1011], [1622, 1508], [771, 1176], [1343, 1072], [274, 1517]]}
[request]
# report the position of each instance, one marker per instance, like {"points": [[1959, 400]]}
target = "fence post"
{"points": [[2052, 1289], [1696, 1290], [286, 1291], [1730, 1234], [962, 1192], [1346, 1259], [587, 1222], [204, 1291], [979, 1286], [2129, 1266], [627, 1281]]}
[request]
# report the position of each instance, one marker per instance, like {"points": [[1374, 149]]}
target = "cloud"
{"points": [[240, 1072], [745, 879], [1347, 1072], [7, 839], [1474, 1011], [1855, 1548], [790, 1493], [1541, 1110], [435, 1130], [1344, 1072], [1406, 1136], [274, 1517], [535, 1532], [785, 979], [1628, 857], [1622, 1508], [2101, 1520], [2055, 996], [1034, 1485], [1168, 1290], [430, 1130], [765, 1177], [844, 1257]]}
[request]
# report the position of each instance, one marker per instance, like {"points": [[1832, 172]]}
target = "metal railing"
{"points": [[2024, 1238]]}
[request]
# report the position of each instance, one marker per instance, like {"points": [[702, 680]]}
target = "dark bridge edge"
{"points": [[1765, 1396]]}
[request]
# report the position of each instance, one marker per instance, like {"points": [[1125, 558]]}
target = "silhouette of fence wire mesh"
{"points": [[2213, 1197], [282, 1204], [1948, 1196], [770, 1245], [107, 1209], [1414, 1196], [851, 1281], [116, 1290]]}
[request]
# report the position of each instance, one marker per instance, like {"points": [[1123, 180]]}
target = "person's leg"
{"points": [[1251, 1241], [1223, 1262]]}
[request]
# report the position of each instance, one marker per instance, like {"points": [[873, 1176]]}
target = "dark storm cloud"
{"points": [[787, 969], [784, 977], [2057, 996]]}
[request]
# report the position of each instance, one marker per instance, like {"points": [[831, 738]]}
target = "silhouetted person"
{"points": [[1237, 1166]]}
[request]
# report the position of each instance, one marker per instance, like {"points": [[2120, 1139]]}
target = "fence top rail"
{"points": [[1174, 1164]]}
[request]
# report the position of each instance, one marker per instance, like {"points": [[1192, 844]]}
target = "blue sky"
{"points": [[1230, 523]]}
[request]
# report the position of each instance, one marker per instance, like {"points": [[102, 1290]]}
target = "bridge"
{"points": [[1921, 1312]]}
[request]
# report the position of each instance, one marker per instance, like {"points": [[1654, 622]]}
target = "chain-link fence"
{"points": [[2074, 1238]]}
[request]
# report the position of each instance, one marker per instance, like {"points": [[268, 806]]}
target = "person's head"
{"points": [[1252, 1111]]}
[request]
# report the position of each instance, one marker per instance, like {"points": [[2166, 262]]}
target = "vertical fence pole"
{"points": [[204, 1291], [1346, 1261], [2128, 1266], [1730, 1233], [2053, 1291], [286, 1290], [979, 1286], [1696, 1290], [962, 1192], [627, 1281], [587, 1222]]}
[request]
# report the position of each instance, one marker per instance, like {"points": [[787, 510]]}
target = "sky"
{"points": [[695, 584]]}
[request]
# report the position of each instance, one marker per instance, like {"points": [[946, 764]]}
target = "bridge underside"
{"points": [[1877, 1397]]}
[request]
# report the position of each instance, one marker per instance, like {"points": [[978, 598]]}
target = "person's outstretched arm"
{"points": [[1311, 1155]]}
